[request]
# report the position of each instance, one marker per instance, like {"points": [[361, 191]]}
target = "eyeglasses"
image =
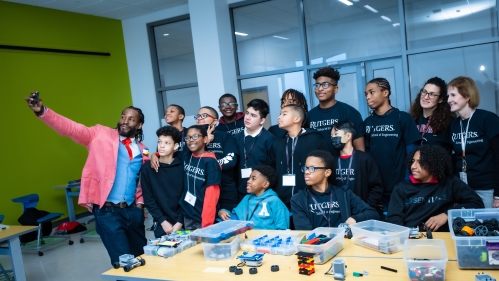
{"points": [[231, 104], [431, 95], [311, 169], [193, 137], [324, 85], [203, 116]]}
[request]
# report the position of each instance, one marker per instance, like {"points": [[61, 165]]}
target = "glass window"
{"points": [[270, 88], [188, 98], [267, 36], [430, 22], [175, 52], [337, 31], [478, 62]]}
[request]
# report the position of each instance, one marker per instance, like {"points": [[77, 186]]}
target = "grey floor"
{"points": [[69, 262]]}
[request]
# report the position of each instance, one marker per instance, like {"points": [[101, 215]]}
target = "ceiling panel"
{"points": [[99, 7]]}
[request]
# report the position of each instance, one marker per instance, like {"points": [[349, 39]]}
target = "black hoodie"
{"points": [[414, 203], [308, 141], [162, 191], [349, 205]]}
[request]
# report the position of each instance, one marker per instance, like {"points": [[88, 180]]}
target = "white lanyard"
{"points": [[188, 186], [464, 137]]}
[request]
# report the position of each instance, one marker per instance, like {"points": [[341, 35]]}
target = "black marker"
{"points": [[389, 269]]}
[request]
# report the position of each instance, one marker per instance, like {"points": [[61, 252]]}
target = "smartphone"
{"points": [[35, 98]]}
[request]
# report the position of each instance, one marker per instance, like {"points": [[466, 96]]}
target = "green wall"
{"points": [[87, 89]]}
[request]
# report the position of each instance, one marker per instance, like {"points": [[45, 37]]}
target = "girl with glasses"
{"points": [[322, 203], [432, 114]]}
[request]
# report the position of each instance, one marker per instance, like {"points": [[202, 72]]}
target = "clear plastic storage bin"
{"points": [[476, 252], [380, 236], [150, 250], [276, 243], [224, 250], [426, 259], [221, 231], [324, 252]]}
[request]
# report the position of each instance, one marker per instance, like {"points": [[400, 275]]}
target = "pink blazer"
{"points": [[100, 168]]}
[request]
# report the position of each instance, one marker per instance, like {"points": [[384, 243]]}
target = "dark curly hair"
{"points": [[269, 173], [441, 116], [298, 96], [327, 72], [171, 131], [259, 105], [203, 129], [328, 161], [435, 160]]}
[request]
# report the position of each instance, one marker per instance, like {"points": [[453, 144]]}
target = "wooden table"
{"points": [[11, 235], [190, 265]]}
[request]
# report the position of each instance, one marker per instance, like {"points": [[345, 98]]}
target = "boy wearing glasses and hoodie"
{"points": [[321, 203], [232, 121]]}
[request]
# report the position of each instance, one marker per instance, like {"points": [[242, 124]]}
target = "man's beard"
{"points": [[130, 134]]}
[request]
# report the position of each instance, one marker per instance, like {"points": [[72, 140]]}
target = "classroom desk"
{"points": [[69, 201], [11, 235], [190, 265]]}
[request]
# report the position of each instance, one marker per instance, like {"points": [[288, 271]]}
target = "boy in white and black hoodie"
{"points": [[431, 191], [289, 153]]}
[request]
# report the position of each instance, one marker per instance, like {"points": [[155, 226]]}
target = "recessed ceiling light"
{"points": [[386, 18], [280, 37], [166, 34], [396, 24], [346, 2], [240, 33], [482, 68], [370, 8]]}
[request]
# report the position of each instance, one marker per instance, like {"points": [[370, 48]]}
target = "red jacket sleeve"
{"points": [[211, 196]]}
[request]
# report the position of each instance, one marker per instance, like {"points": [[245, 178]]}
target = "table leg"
{"points": [[71, 208], [17, 259]]}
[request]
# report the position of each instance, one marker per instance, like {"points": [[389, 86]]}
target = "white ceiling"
{"points": [[116, 9]]}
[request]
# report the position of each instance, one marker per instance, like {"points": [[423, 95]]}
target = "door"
{"points": [[391, 69]]}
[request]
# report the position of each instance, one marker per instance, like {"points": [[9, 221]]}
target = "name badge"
{"points": [[288, 180], [189, 198], [245, 173], [464, 177]]}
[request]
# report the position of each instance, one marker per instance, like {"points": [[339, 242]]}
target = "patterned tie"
{"points": [[127, 143]]}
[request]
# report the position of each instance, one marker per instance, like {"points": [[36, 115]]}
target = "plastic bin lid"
{"points": [[222, 231]]}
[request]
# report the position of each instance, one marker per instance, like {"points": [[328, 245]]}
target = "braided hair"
{"points": [[140, 132], [301, 101]]}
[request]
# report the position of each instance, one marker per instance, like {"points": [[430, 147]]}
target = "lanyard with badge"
{"points": [[246, 172], [425, 130], [328, 219], [289, 179], [252, 213], [349, 167], [189, 197], [464, 137]]}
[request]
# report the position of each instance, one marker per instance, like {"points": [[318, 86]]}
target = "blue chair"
{"points": [[1, 218], [30, 201], [6, 273]]}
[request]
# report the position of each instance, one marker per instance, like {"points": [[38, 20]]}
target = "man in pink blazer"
{"points": [[109, 181]]}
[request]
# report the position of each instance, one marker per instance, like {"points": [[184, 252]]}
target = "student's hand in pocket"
{"points": [[434, 223], [154, 162], [223, 214]]}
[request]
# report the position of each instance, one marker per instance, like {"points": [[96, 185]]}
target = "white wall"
{"points": [[140, 67]]}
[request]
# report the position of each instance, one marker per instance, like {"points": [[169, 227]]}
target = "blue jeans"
{"points": [[122, 230]]}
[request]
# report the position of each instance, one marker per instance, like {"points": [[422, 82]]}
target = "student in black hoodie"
{"points": [[355, 169], [162, 191], [254, 142], [288, 153], [431, 191], [290, 96], [322, 204], [231, 121], [390, 135], [224, 146], [174, 116]]}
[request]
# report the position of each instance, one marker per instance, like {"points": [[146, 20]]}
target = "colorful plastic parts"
{"points": [[306, 264]]}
